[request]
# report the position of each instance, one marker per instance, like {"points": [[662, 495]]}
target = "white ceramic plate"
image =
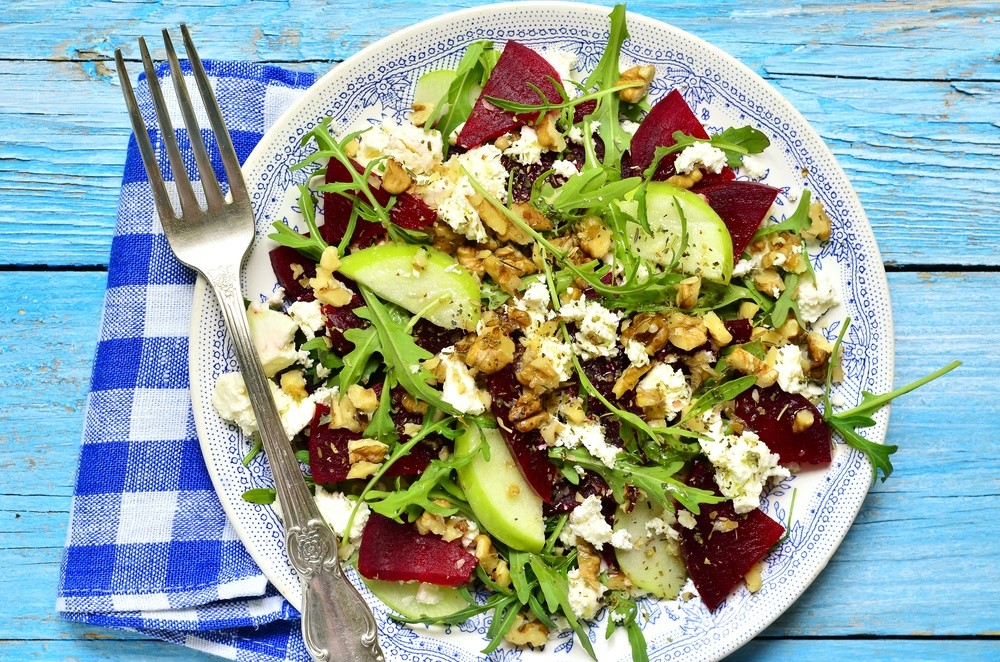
{"points": [[379, 82]]}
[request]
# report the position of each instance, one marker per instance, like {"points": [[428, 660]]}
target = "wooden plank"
{"points": [[924, 156], [921, 536]]}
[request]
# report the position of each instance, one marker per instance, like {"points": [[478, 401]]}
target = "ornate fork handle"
{"points": [[337, 625]]}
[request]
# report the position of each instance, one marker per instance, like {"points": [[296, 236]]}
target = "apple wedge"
{"points": [[655, 565], [420, 279], [501, 498], [709, 250], [416, 600]]}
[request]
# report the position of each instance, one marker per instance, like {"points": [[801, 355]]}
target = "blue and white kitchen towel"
{"points": [[149, 547]]}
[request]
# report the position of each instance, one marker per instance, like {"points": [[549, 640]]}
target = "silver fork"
{"points": [[336, 622]]}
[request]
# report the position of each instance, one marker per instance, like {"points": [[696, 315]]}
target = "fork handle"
{"points": [[337, 624]]}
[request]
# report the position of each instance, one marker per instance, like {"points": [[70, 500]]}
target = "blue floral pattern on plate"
{"points": [[378, 82]]}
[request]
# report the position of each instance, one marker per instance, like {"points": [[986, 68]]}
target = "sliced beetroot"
{"points": [[341, 318], [741, 329], [528, 448], [769, 412], [516, 70], [286, 263], [413, 463], [669, 114], [523, 176], [742, 206], [434, 338], [717, 559], [581, 110], [396, 552], [566, 496], [328, 454], [408, 212]]}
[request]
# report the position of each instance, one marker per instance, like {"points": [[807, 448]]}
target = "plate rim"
{"points": [[203, 297]]}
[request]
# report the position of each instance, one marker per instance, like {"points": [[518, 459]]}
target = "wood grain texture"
{"points": [[913, 127], [919, 537]]}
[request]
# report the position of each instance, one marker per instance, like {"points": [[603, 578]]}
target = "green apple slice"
{"points": [[421, 279], [403, 598], [503, 501], [709, 251], [655, 564], [435, 85]]}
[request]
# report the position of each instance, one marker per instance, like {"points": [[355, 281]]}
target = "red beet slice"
{"points": [[741, 329], [770, 411], [282, 260], [528, 448], [396, 552], [434, 338], [669, 114], [742, 206], [517, 66], [716, 559], [328, 454]]}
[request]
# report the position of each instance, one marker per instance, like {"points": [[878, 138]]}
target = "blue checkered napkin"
{"points": [[149, 547]]}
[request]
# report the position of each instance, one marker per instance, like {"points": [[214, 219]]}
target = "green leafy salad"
{"points": [[542, 348]]}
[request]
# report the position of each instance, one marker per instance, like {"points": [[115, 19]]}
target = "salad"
{"points": [[542, 352]]}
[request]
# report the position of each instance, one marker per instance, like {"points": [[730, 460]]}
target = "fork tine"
{"points": [[213, 195], [189, 203], [163, 206], [229, 159]]}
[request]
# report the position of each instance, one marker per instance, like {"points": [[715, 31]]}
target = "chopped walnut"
{"points": [[344, 415], [548, 135], [444, 239], [363, 399], [535, 219], [769, 282], [421, 113], [629, 378], [642, 74], [538, 374], [717, 329], [790, 330], [351, 148], [648, 329], [528, 409], [700, 367], [472, 258], [821, 226], [688, 291], [686, 332], [589, 561], [366, 450], [396, 179], [686, 180], [491, 351], [428, 522], [506, 266], [595, 237], [803, 420], [524, 631], [294, 384], [747, 310], [412, 405], [501, 226], [327, 288], [749, 364], [573, 411], [819, 350], [362, 469]]}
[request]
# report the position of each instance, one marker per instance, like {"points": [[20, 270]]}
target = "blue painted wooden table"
{"points": [[906, 94]]}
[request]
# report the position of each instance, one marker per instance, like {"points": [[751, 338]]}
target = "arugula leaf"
{"points": [[623, 609], [847, 422], [326, 358], [311, 246], [734, 142], [605, 75], [722, 393], [402, 354], [366, 343], [797, 222], [255, 449], [493, 297], [555, 588], [381, 426], [786, 302], [264, 496], [472, 72]]}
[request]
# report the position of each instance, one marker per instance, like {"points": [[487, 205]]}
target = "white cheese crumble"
{"points": [[309, 316], [743, 464], [273, 335], [336, 509], [753, 167], [686, 519], [584, 599], [564, 168], [526, 149], [459, 389], [448, 189], [587, 522], [563, 62], [629, 127], [668, 387], [818, 296], [556, 352], [590, 435], [702, 154], [636, 353], [575, 134], [416, 149], [791, 376], [597, 333], [232, 402]]}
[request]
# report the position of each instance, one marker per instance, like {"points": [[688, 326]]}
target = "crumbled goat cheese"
{"points": [[526, 150], [453, 136], [791, 377], [597, 333], [703, 154], [416, 149], [276, 298], [575, 134], [563, 62], [448, 189], [636, 353], [537, 302], [273, 335], [817, 297], [590, 435], [743, 464], [309, 316], [754, 167], [686, 519], [564, 168], [459, 389], [336, 509], [587, 522], [232, 402], [556, 352], [669, 386], [657, 528], [584, 599], [629, 127]]}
